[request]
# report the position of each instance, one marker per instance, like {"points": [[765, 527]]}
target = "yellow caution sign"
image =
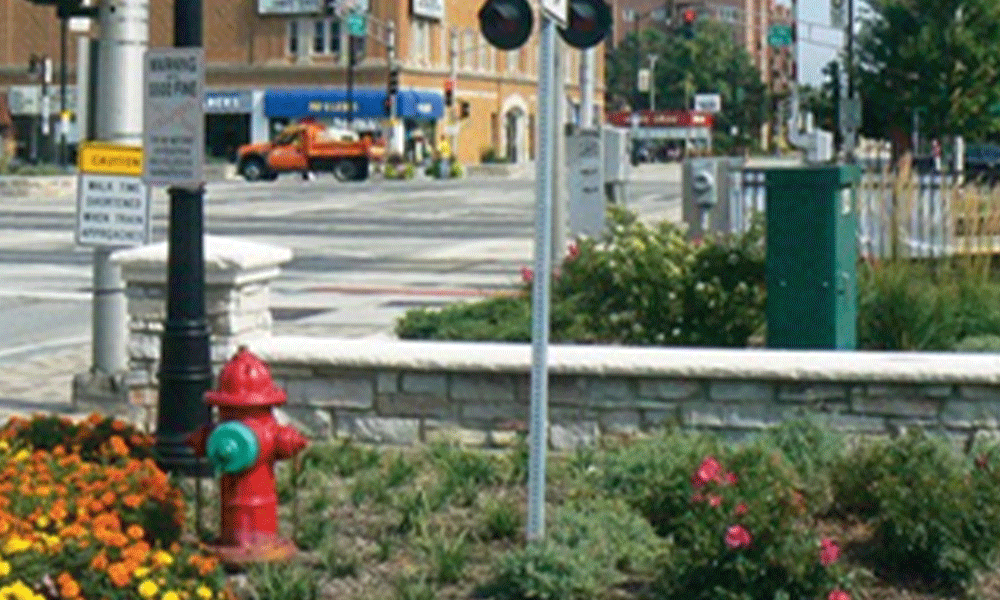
{"points": [[109, 159]]}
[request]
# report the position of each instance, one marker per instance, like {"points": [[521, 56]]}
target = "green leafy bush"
{"points": [[587, 548], [934, 514], [978, 343], [812, 449], [736, 520], [635, 285]]}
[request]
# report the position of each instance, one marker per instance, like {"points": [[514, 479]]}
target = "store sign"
{"points": [[429, 9], [289, 7], [232, 102], [708, 103], [660, 118]]}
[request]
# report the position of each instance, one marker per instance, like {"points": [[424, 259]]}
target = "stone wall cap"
{"points": [[695, 363], [221, 254]]}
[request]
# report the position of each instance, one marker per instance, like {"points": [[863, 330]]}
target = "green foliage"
{"points": [[710, 62], [636, 285], [979, 343], [283, 581], [812, 449], [413, 588], [904, 305], [934, 514], [344, 458], [462, 473], [491, 156], [544, 571], [89, 438], [338, 562], [446, 556], [501, 520], [935, 57]]}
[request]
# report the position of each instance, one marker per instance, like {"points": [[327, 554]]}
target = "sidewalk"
{"points": [[41, 382]]}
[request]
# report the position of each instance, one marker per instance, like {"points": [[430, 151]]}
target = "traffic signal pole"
{"points": [[544, 180]]}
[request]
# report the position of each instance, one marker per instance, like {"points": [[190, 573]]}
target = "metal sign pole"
{"points": [[540, 288]]}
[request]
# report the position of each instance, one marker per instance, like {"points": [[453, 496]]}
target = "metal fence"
{"points": [[920, 215]]}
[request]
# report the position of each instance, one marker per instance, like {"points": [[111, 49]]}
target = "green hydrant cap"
{"points": [[232, 447]]}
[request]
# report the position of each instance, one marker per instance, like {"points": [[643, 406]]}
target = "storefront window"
{"points": [[293, 38], [326, 36]]}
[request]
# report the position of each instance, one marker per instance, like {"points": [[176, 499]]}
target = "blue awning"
{"points": [[368, 104]]}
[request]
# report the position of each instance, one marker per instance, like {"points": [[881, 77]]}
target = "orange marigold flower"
{"points": [[99, 562], [132, 500], [136, 553], [70, 590], [118, 445], [94, 418], [119, 425], [119, 573], [135, 532]]}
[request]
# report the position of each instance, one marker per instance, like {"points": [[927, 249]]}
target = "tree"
{"points": [[824, 102], [712, 61], [938, 57]]}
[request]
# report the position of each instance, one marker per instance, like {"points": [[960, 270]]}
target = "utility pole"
{"points": [[453, 77], [395, 132], [588, 67], [185, 367], [652, 81], [124, 36], [63, 121], [350, 80], [851, 136]]}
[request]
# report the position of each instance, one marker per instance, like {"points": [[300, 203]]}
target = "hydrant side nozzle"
{"points": [[232, 447], [288, 442]]}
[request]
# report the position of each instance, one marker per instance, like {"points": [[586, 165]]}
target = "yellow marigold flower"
{"points": [[204, 593], [148, 589], [21, 455], [171, 595], [141, 572], [4, 568], [163, 558], [43, 521], [4, 446], [16, 544]]}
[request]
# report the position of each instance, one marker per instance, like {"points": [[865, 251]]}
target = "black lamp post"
{"points": [[185, 366]]}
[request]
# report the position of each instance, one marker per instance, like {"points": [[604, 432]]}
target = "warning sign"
{"points": [[174, 117]]}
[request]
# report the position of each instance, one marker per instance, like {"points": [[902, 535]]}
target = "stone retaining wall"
{"points": [[403, 392]]}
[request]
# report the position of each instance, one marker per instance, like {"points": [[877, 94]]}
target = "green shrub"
{"points": [[934, 514], [446, 556], [283, 581], [344, 458], [635, 285], [462, 473], [978, 343], [543, 571], [456, 170], [812, 449], [501, 520]]}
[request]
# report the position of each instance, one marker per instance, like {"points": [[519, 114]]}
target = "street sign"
{"points": [[850, 115], [708, 102], [557, 10], [112, 202], [779, 36], [356, 24], [643, 80], [174, 117], [585, 168], [838, 13]]}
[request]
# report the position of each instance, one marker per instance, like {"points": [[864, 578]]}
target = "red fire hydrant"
{"points": [[243, 446]]}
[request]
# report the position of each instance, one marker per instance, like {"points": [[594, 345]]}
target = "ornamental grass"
{"points": [[86, 514]]}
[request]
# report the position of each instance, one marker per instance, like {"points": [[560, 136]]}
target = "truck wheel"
{"points": [[344, 170], [253, 169], [362, 170]]}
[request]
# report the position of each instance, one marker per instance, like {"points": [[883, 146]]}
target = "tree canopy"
{"points": [[710, 62], [940, 58]]}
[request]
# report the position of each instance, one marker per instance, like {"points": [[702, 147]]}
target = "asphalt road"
{"points": [[363, 253]]}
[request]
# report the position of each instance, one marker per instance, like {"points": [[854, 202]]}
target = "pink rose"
{"points": [[714, 500], [741, 509], [838, 594], [527, 274], [737, 537], [695, 498], [573, 251], [709, 470], [730, 478], [829, 552]]}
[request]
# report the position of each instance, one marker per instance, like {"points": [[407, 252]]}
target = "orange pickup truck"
{"points": [[310, 147]]}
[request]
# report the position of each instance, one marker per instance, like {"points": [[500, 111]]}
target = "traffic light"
{"points": [[463, 109], [506, 24], [589, 22], [449, 92], [690, 16], [393, 82]]}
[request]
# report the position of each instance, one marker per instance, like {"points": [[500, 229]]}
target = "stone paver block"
{"points": [[669, 389], [620, 422], [414, 405], [567, 436], [380, 430], [347, 392], [811, 392], [453, 434], [387, 382], [653, 419], [741, 391], [980, 392], [315, 423], [567, 390], [610, 392], [482, 387], [494, 412], [966, 413], [896, 407], [425, 383]]}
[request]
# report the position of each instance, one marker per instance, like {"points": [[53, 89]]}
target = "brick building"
{"points": [[269, 62]]}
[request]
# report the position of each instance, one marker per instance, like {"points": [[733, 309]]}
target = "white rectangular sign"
{"points": [[586, 182], [174, 117], [557, 10], [429, 9], [708, 102], [111, 211]]}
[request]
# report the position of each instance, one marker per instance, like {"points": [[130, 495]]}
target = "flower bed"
{"points": [[86, 514]]}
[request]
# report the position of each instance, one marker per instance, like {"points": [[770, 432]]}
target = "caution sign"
{"points": [[112, 202], [109, 159]]}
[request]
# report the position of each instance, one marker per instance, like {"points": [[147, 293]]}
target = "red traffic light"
{"points": [[506, 24], [589, 22], [690, 15]]}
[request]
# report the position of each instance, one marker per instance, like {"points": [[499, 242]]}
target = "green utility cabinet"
{"points": [[812, 253]]}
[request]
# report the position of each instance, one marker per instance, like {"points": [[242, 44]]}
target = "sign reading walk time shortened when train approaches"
{"points": [[173, 115]]}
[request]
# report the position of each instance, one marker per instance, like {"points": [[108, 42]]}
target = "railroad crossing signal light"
{"points": [[589, 22], [506, 24]]}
